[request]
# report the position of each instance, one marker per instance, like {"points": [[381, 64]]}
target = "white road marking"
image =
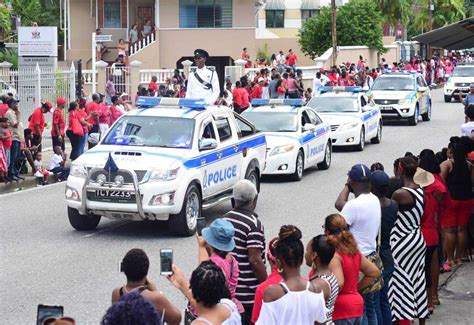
{"points": [[106, 229]]}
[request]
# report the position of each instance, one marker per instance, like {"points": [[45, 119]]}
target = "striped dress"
{"points": [[407, 287], [334, 287]]}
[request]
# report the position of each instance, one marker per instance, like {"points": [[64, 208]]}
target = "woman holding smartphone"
{"points": [[135, 265]]}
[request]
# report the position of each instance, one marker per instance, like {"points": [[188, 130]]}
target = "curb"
{"points": [[27, 183]]}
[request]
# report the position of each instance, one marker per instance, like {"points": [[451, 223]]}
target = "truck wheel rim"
{"points": [[379, 132], [362, 139], [253, 179], [192, 210], [328, 155], [299, 165]]}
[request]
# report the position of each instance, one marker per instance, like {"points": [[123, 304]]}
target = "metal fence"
{"points": [[34, 84], [121, 79]]}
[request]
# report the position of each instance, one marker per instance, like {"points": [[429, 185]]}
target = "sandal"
{"points": [[446, 267]]}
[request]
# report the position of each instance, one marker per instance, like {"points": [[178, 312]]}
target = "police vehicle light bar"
{"points": [[289, 101], [353, 89], [400, 71], [149, 102]]}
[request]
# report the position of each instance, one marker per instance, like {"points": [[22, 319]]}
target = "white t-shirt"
{"points": [[363, 214], [55, 161], [467, 129], [295, 307]]}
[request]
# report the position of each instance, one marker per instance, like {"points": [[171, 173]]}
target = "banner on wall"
{"points": [[38, 41]]}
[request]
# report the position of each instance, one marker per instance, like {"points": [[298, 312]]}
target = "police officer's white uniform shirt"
{"points": [[197, 90]]}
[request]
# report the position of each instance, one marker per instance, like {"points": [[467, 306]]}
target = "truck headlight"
{"points": [[282, 149], [78, 171], [405, 101], [349, 125], [163, 175]]}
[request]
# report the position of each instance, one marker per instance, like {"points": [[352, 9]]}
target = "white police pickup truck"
{"points": [[167, 160], [297, 138]]}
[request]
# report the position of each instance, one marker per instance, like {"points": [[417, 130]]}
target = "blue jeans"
{"points": [[371, 309], [385, 311], [15, 155], [349, 321]]}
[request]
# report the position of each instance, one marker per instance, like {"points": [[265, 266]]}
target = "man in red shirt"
{"points": [[257, 90], [93, 110], [59, 125], [291, 59], [38, 122], [246, 57], [152, 86]]}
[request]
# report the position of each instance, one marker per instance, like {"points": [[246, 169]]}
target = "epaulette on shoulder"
{"points": [[211, 68]]}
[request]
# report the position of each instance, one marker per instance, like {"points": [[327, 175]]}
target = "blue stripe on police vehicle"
{"points": [[310, 136], [227, 152]]}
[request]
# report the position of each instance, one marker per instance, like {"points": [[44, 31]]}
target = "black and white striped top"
{"points": [[334, 287], [248, 234]]}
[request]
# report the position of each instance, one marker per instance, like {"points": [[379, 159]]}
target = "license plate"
{"points": [[385, 108], [112, 196]]}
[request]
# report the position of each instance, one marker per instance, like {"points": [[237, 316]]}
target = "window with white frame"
{"points": [[306, 14], [275, 18], [205, 13], [112, 15]]}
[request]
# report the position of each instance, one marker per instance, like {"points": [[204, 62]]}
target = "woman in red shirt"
{"points": [[346, 264], [75, 129], [115, 113]]}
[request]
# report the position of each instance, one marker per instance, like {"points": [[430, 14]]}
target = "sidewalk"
{"points": [[456, 294], [31, 181]]}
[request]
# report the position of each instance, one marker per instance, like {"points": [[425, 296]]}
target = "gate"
{"points": [[121, 79], [31, 85]]}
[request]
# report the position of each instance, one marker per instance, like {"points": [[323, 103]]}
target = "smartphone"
{"points": [[166, 260], [120, 267], [201, 224], [47, 311]]}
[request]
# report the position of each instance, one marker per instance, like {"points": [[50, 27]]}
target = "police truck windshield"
{"points": [[273, 121], [334, 104], [152, 131], [461, 71], [394, 83]]}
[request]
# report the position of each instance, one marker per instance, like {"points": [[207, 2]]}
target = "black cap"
{"points": [[200, 52], [12, 100], [95, 96]]}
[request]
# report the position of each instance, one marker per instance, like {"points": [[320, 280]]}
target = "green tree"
{"points": [[396, 11], [5, 21], [359, 22], [445, 12]]}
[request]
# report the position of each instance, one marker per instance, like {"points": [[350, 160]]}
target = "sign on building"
{"points": [[38, 41]]}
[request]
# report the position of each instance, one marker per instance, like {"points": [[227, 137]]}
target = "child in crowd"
{"points": [[41, 172], [57, 164]]}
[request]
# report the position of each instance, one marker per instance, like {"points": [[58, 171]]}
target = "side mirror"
{"points": [[207, 144], [309, 127], [422, 89], [94, 138]]}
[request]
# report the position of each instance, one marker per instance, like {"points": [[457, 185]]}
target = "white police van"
{"points": [[459, 82], [297, 138], [165, 161], [354, 119], [402, 96]]}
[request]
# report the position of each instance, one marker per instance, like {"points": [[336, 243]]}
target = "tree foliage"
{"points": [[359, 22], [5, 21], [445, 12], [396, 11]]}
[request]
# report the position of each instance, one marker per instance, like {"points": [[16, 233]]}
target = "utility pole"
{"points": [[333, 31], [430, 16]]}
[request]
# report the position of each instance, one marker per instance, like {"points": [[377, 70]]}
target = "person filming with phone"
{"points": [[135, 265]]}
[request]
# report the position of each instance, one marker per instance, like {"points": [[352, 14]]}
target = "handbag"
{"points": [[378, 283]]}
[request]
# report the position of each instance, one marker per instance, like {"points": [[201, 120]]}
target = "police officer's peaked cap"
{"points": [[201, 52]]}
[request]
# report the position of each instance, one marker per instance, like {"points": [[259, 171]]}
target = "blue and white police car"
{"points": [[402, 96], [296, 136], [165, 161], [353, 118]]}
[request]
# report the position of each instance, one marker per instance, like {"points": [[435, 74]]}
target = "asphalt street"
{"points": [[44, 260]]}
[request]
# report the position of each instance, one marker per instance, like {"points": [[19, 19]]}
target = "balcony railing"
{"points": [[142, 43]]}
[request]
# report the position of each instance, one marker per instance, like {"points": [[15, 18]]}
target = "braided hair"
{"points": [[208, 284], [289, 247], [134, 309]]}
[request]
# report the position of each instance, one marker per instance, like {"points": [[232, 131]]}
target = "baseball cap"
{"points": [[12, 100], [359, 173], [61, 100], [261, 79], [244, 191], [379, 178], [46, 103], [220, 235]]}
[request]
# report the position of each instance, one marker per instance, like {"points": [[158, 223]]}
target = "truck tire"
{"points": [[326, 163], [361, 145], [413, 120], [299, 167], [185, 222], [252, 175], [447, 99], [378, 137], [427, 116], [82, 222]]}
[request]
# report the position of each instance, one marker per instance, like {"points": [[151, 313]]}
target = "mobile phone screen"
{"points": [[166, 260], [45, 312]]}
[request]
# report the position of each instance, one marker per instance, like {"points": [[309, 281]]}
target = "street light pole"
{"points": [[333, 31]]}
